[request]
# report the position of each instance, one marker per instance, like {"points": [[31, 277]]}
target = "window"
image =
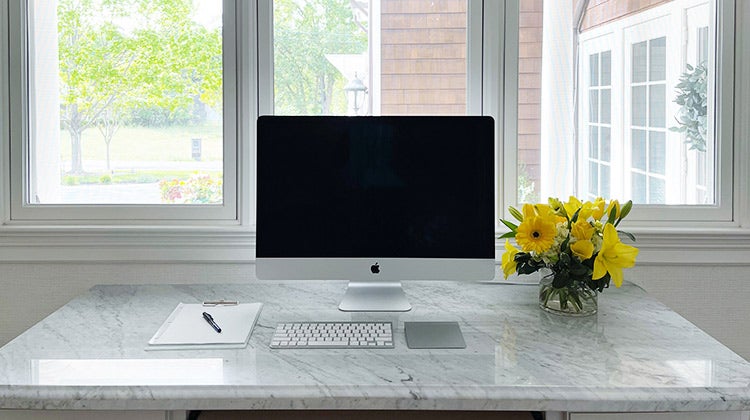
{"points": [[362, 57], [125, 107], [641, 85], [647, 126], [591, 112], [599, 125]]}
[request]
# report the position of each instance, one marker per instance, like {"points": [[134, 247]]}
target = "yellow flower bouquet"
{"points": [[578, 242]]}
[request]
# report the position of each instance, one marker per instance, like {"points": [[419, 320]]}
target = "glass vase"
{"points": [[576, 299]]}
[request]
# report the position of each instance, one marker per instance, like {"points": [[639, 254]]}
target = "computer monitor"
{"points": [[376, 201]]}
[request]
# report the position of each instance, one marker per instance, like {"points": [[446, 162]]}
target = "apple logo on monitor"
{"points": [[375, 268]]}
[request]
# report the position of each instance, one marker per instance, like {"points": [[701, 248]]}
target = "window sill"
{"points": [[688, 246], [127, 244], [235, 244]]}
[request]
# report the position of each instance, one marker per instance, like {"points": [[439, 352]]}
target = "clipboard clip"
{"points": [[221, 302]]}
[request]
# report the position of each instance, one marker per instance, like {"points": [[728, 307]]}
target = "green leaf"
{"points": [[507, 235], [510, 225], [628, 234], [575, 216]]}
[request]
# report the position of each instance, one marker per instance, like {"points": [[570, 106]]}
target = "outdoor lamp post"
{"points": [[353, 89]]}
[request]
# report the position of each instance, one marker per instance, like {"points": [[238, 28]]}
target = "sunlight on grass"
{"points": [[149, 144]]}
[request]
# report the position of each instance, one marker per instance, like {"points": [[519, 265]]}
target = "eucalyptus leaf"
{"points": [[692, 96]]}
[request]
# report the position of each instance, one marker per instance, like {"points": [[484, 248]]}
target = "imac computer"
{"points": [[376, 201]]}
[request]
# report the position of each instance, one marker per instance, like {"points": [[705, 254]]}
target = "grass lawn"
{"points": [[128, 177], [148, 144]]}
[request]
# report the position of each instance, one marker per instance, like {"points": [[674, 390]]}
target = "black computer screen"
{"points": [[389, 187]]}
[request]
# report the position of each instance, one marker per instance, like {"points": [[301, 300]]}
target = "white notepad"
{"points": [[185, 327]]}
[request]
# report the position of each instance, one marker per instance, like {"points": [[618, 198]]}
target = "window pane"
{"points": [[658, 59], [638, 106], [657, 152], [639, 188], [594, 142], [606, 68], [593, 178], [656, 191], [702, 45], [594, 69], [639, 149], [639, 62], [529, 100], [127, 103], [604, 170], [605, 106], [656, 105], [328, 60], [605, 144], [594, 105], [628, 89]]}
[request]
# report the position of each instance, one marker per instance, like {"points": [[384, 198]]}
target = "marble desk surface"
{"points": [[634, 355]]}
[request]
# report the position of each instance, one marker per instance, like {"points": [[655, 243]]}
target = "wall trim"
{"points": [[727, 246]]}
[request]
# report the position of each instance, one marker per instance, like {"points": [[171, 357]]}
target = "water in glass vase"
{"points": [[576, 299]]}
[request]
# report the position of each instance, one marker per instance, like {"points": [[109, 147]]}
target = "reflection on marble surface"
{"points": [[634, 355], [209, 371]]}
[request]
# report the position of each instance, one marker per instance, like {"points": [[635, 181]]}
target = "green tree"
{"points": [[117, 55], [304, 32]]}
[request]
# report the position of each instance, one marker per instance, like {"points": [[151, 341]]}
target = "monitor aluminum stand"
{"points": [[374, 296]]}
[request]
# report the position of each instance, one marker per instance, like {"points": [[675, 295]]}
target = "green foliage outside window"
{"points": [[692, 96], [305, 82], [117, 57]]}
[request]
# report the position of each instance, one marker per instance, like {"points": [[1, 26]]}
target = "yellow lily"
{"points": [[582, 230], [582, 249], [557, 206], [613, 204], [597, 208], [543, 210], [613, 257], [572, 206], [509, 259]]}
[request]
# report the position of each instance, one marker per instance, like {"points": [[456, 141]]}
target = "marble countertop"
{"points": [[634, 355]]}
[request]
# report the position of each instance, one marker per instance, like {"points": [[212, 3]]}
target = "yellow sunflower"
{"points": [[536, 234]]}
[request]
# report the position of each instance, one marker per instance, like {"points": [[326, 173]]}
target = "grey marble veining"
{"points": [[634, 355]]}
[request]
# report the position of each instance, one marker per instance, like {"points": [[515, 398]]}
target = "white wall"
{"points": [[716, 299]]}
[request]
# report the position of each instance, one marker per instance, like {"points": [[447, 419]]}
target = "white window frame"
{"points": [[647, 31], [589, 47], [22, 110], [650, 24], [695, 237]]}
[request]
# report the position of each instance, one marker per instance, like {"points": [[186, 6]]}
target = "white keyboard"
{"points": [[333, 335]]}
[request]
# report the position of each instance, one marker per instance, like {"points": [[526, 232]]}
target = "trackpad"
{"points": [[434, 335]]}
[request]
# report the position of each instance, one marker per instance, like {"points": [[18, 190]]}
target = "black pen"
{"points": [[211, 321]]}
